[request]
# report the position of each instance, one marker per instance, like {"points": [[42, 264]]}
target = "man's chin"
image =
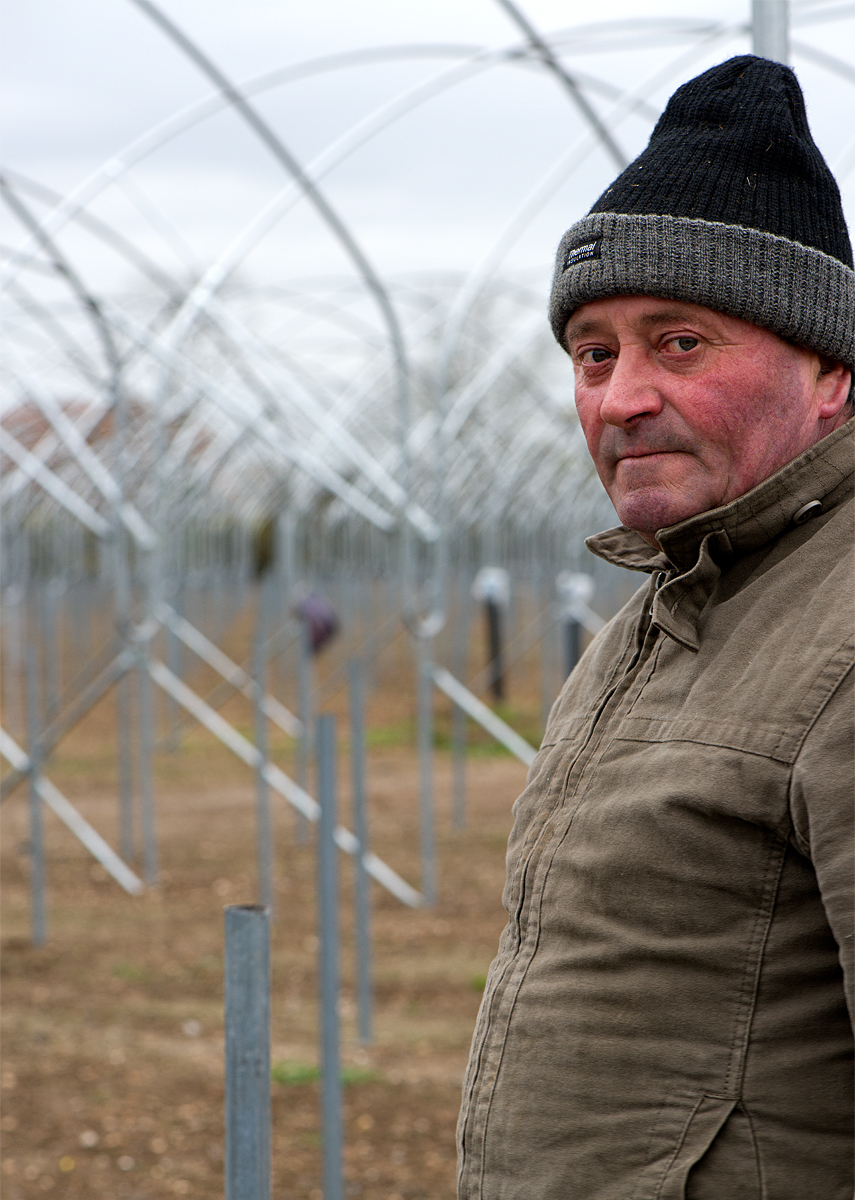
{"points": [[646, 514]]}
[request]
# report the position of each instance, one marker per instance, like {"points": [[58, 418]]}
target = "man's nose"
{"points": [[631, 392]]}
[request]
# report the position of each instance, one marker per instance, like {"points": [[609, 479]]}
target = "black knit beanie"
{"points": [[731, 206]]}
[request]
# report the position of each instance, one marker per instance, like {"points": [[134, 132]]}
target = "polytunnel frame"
{"points": [[98, 479]]}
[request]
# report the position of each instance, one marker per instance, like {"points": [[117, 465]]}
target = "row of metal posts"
{"points": [[146, 735]]}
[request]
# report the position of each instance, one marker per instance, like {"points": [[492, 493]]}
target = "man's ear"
{"points": [[833, 385]]}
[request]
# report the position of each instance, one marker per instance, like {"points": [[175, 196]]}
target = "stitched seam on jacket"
{"points": [[695, 739], [802, 845], [841, 657], [747, 1000], [559, 794], [758, 1158]]}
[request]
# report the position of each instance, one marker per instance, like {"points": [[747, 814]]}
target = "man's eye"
{"points": [[685, 343], [597, 355]]}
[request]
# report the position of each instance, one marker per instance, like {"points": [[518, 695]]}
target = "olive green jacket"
{"points": [[667, 1014]]}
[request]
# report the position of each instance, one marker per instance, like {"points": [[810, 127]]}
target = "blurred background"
{"points": [[285, 434]]}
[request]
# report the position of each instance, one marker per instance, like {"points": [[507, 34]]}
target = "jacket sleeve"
{"points": [[822, 805]]}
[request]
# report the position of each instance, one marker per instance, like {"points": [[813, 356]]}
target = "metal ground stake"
{"points": [[37, 852], [360, 828], [328, 912], [247, 967]]}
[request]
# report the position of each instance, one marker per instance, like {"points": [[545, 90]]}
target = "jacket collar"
{"points": [[694, 551]]}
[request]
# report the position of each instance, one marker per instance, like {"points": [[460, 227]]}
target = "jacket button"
{"points": [[811, 509]]}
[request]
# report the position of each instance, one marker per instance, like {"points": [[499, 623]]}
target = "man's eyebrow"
{"points": [[580, 328], [649, 320]]}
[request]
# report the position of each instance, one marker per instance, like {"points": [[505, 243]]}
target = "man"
{"points": [[669, 1014]]}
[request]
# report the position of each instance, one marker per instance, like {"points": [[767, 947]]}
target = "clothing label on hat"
{"points": [[580, 254]]}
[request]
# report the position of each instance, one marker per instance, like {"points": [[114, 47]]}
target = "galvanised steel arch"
{"points": [[425, 416]]}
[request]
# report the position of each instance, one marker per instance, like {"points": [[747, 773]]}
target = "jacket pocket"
{"points": [[702, 1127]]}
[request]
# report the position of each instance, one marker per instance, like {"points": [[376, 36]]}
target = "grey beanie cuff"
{"points": [[801, 294]]}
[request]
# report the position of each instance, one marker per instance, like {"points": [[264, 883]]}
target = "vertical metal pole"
{"points": [[770, 29], [124, 710], [175, 662], [50, 593], [284, 567], [425, 750], [572, 644], [247, 988], [37, 853], [360, 827], [458, 716], [15, 637], [217, 570], [80, 618], [122, 599], [547, 649], [262, 792], [124, 696], [304, 745], [493, 615], [328, 912], [151, 865]]}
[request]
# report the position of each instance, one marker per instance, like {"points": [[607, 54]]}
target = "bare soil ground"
{"points": [[112, 1073]]}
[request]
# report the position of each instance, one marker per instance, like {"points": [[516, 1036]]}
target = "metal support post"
{"points": [[493, 617], [331, 1105], [770, 29], [264, 830], [458, 718], [14, 616], [571, 636], [124, 696], [360, 828], [37, 853], [151, 865], [175, 662], [547, 656], [425, 749], [458, 767], [124, 721], [304, 744], [284, 566], [247, 988], [51, 592], [492, 586]]}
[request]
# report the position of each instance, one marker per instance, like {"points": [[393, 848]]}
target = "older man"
{"points": [[670, 1012]]}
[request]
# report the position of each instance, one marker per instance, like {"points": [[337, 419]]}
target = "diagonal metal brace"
{"points": [[278, 780], [57, 729], [240, 679], [69, 815], [485, 716]]}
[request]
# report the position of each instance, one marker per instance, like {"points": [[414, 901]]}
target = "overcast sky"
{"points": [[433, 190]]}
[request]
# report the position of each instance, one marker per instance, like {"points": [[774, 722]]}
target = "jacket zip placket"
{"points": [[640, 635], [502, 1000]]}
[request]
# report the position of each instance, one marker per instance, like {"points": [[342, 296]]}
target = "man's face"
{"points": [[685, 409]]}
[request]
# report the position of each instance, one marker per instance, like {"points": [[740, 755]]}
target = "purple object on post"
{"points": [[319, 617]]}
